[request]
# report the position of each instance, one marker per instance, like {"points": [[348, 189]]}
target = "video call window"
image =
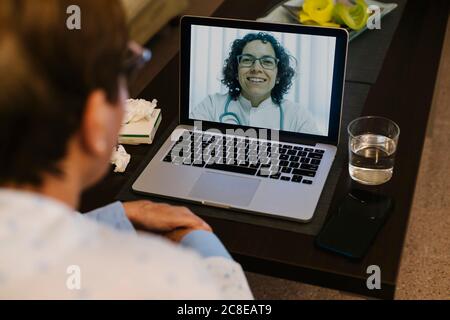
{"points": [[271, 80]]}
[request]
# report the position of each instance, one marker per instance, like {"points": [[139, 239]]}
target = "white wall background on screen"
{"points": [[311, 88]]}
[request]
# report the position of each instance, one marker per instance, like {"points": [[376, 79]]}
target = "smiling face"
{"points": [[256, 82]]}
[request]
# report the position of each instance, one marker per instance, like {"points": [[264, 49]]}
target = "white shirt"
{"points": [[266, 115], [41, 238]]}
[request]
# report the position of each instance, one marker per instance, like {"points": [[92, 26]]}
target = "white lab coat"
{"points": [[266, 115]]}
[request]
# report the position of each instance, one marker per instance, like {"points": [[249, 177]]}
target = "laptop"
{"points": [[260, 115]]}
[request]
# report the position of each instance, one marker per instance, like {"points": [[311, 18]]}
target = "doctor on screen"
{"points": [[258, 74]]}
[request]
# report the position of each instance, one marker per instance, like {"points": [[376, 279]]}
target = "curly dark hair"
{"points": [[285, 71]]}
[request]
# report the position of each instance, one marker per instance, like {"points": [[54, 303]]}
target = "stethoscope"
{"points": [[227, 113]]}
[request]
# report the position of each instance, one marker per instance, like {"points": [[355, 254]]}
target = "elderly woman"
{"points": [[60, 114], [257, 74]]}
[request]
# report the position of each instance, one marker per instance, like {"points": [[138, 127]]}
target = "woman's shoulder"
{"points": [[219, 96], [296, 107], [290, 105], [215, 98], [301, 118]]}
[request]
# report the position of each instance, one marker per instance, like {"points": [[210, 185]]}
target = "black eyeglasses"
{"points": [[136, 57], [248, 60]]}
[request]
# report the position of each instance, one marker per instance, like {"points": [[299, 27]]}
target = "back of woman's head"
{"points": [[47, 71]]}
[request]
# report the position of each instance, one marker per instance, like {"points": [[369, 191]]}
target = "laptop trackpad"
{"points": [[226, 189]]}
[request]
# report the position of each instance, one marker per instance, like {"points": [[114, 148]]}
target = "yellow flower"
{"points": [[355, 17], [317, 12]]}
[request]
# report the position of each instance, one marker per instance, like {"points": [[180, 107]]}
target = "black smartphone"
{"points": [[353, 228]]}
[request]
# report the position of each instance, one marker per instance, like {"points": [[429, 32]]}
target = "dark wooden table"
{"points": [[402, 92]]}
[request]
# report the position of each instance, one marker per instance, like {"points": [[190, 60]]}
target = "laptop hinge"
{"points": [[294, 140], [299, 141]]}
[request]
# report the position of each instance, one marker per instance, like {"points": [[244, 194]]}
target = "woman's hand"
{"points": [[170, 221]]}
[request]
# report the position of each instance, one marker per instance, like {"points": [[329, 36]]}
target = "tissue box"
{"points": [[141, 132]]}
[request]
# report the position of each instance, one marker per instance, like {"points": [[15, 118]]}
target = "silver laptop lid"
{"points": [[254, 75]]}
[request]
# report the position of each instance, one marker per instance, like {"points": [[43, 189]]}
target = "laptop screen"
{"points": [[261, 79]]}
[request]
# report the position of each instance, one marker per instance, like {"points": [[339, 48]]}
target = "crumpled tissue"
{"points": [[138, 109], [120, 158]]}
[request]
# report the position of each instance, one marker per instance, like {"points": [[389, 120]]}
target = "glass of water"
{"points": [[372, 146]]}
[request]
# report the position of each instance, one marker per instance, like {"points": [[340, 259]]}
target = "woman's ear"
{"points": [[94, 126]]}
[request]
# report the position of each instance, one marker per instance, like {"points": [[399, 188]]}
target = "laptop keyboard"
{"points": [[271, 160]]}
